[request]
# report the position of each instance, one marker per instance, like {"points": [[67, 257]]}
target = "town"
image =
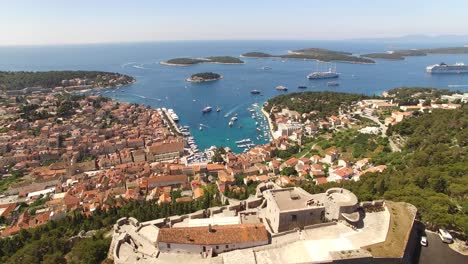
{"points": [[64, 153]]}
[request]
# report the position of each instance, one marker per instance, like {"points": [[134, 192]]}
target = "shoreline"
{"points": [[270, 124], [306, 59], [202, 81], [214, 62]]}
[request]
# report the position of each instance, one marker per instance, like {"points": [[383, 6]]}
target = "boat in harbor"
{"points": [[218, 109], [333, 84], [173, 115], [243, 141], [302, 87], [319, 73], [207, 109], [255, 92], [231, 123], [234, 118], [281, 88]]}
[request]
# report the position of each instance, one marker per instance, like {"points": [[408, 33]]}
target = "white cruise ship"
{"points": [[445, 68]]}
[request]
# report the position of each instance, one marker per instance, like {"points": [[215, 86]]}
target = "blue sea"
{"points": [[164, 86]]}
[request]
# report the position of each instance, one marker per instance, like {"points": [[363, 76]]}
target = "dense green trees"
{"points": [[327, 103], [19, 80]]}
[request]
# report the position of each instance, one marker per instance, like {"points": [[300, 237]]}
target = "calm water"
{"points": [[164, 86]]}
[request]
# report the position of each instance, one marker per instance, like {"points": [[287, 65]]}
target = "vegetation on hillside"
{"points": [[256, 54], [431, 172], [212, 59], [327, 103], [204, 76], [401, 54], [184, 61], [50, 79], [313, 54]]}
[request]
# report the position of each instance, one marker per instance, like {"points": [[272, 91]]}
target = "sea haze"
{"points": [[165, 86]]}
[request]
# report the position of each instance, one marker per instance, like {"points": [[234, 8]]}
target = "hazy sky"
{"points": [[24, 22]]}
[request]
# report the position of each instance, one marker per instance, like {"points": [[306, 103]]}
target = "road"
{"points": [[438, 252], [383, 128]]}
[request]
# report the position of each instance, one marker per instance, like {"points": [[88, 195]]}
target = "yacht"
{"points": [[207, 109], [281, 88], [255, 92]]}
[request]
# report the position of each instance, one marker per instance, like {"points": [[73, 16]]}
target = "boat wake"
{"points": [[202, 125], [127, 64], [140, 67], [231, 111], [141, 96]]}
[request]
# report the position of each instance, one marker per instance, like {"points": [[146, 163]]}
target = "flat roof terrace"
{"points": [[341, 197], [296, 198]]}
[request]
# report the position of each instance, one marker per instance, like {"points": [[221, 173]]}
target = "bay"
{"points": [[165, 86]]}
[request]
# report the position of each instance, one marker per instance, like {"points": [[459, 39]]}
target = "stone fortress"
{"points": [[326, 227]]}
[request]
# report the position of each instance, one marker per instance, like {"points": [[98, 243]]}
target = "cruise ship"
{"points": [[321, 74], [445, 68]]}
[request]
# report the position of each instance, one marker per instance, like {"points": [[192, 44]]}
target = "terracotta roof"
{"points": [[321, 180], [225, 234], [212, 167], [167, 178]]}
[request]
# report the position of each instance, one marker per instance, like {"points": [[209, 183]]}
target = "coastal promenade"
{"points": [[270, 124]]}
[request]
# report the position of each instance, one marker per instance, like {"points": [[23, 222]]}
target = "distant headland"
{"points": [[22, 82], [212, 59], [402, 54], [204, 77], [313, 54]]}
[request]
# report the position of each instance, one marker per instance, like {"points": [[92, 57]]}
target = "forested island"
{"points": [[212, 59], [19, 80], [313, 54], [204, 77], [402, 54]]}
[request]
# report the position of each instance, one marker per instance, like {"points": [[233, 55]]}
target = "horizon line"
{"points": [[394, 38]]}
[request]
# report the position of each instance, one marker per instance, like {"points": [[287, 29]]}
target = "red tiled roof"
{"points": [[225, 234]]}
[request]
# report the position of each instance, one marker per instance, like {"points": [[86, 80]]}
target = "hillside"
{"points": [[325, 102], [212, 59], [313, 54], [402, 54], [50, 79], [204, 77]]}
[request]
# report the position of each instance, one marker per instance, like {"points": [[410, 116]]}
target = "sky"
{"points": [[37, 22]]}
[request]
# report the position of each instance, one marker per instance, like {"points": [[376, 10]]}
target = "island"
{"points": [[204, 77], [313, 54], [212, 59], [22, 82], [402, 54]]}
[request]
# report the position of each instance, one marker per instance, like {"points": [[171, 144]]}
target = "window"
{"points": [[217, 247], [294, 218], [168, 245], [311, 213], [227, 246]]}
